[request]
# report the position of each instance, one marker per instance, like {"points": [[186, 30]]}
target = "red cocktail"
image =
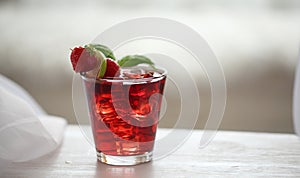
{"points": [[124, 113]]}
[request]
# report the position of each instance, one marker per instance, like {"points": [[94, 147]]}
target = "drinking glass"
{"points": [[124, 113]]}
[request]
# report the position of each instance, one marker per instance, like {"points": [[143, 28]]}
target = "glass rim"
{"points": [[95, 79]]}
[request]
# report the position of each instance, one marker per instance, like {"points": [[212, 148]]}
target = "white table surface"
{"points": [[231, 154]]}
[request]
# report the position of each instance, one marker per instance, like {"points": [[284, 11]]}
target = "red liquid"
{"points": [[124, 115]]}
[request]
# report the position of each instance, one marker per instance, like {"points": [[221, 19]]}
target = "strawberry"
{"points": [[111, 69], [82, 61], [93, 57]]}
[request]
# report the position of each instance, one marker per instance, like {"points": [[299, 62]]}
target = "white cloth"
{"points": [[26, 131]]}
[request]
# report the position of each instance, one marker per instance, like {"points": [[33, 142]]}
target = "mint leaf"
{"points": [[133, 60], [103, 67], [104, 49]]}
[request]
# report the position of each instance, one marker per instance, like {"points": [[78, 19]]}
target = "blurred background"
{"points": [[256, 42]]}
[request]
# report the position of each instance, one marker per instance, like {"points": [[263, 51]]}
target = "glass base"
{"points": [[124, 160]]}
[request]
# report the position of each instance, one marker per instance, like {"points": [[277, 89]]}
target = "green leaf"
{"points": [[133, 60], [103, 67], [104, 49]]}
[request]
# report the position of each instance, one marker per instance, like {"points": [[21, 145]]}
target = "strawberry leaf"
{"points": [[133, 60], [104, 49], [103, 67]]}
